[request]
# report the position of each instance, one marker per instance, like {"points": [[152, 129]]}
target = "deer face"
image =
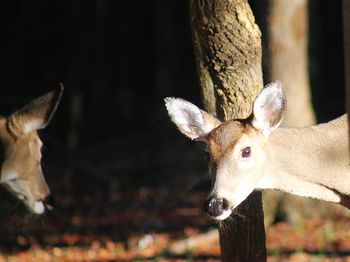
{"points": [[236, 147], [21, 172], [237, 155]]}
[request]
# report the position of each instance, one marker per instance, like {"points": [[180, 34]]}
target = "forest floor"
{"points": [[108, 209], [151, 224]]}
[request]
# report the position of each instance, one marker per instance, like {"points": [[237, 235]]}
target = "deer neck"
{"points": [[310, 162]]}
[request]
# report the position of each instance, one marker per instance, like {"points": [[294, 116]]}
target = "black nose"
{"points": [[49, 202], [215, 206]]}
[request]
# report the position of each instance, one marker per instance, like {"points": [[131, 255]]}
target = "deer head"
{"points": [[21, 172], [236, 147]]}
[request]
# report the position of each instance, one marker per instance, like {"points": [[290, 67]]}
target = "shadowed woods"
{"points": [[121, 175]]}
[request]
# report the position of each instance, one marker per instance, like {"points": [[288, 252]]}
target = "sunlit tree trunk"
{"points": [[227, 45], [346, 35], [287, 27], [288, 59]]}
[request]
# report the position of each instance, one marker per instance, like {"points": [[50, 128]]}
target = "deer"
{"points": [[21, 172], [257, 154]]}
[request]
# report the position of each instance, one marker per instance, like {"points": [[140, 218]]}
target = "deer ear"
{"points": [[269, 108], [36, 114], [191, 121]]}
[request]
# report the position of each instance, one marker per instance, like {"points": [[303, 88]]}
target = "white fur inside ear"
{"points": [[187, 117], [268, 108], [33, 124]]}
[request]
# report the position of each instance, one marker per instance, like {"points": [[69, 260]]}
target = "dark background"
{"points": [[117, 61]]}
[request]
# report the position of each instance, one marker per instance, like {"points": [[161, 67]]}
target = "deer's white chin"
{"points": [[224, 214], [38, 207]]}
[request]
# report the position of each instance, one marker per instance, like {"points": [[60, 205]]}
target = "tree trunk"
{"points": [[346, 31], [227, 45], [288, 60], [287, 28]]}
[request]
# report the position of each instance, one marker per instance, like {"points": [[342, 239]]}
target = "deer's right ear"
{"points": [[191, 121], [35, 115], [269, 108]]}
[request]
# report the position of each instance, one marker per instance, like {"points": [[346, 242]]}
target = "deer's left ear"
{"points": [[191, 121], [269, 108], [35, 115]]}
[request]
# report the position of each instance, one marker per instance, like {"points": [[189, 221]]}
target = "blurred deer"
{"points": [[21, 172], [254, 153]]}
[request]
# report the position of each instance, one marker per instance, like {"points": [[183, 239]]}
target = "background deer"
{"points": [[254, 153], [21, 172]]}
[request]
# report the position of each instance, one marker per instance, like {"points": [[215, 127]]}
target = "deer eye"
{"points": [[246, 152]]}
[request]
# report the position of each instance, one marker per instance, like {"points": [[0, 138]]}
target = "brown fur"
{"points": [[21, 172], [224, 137]]}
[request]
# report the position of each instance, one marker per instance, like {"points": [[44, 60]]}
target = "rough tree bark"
{"points": [[227, 45], [346, 31], [288, 60]]}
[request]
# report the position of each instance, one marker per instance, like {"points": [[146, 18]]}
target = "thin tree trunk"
{"points": [[346, 31], [288, 60], [227, 45]]}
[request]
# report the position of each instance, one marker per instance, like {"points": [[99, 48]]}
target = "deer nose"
{"points": [[216, 206]]}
